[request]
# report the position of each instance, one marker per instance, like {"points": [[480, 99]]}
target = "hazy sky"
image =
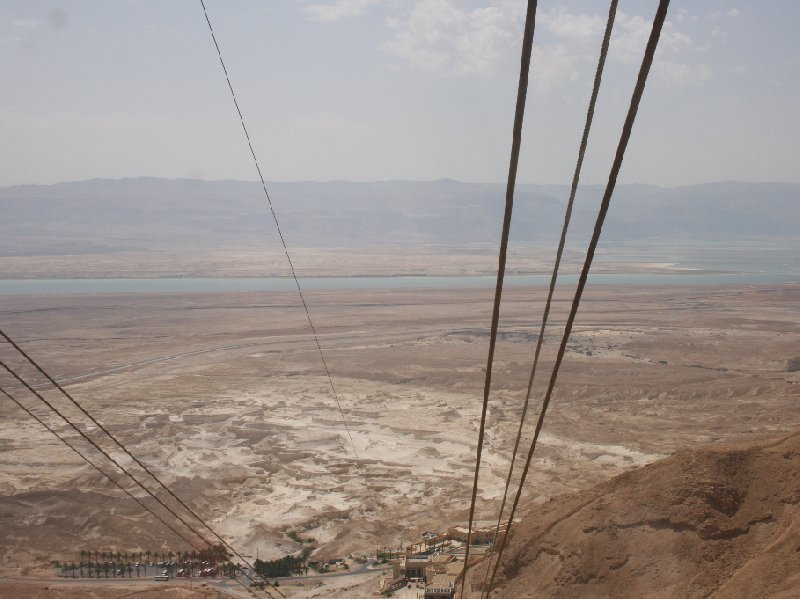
{"points": [[394, 89]]}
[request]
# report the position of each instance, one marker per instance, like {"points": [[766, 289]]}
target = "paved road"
{"points": [[229, 586], [224, 583], [352, 572]]}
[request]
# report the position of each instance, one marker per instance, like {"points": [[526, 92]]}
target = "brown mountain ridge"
{"points": [[720, 521]]}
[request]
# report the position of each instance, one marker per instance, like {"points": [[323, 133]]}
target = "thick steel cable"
{"points": [[519, 113], [95, 466], [109, 477], [598, 76], [114, 461], [120, 445], [644, 70], [124, 449], [118, 465], [288, 257]]}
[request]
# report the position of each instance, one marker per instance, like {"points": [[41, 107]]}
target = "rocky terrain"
{"points": [[721, 521], [223, 395]]}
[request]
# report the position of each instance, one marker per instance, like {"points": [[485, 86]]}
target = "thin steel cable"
{"points": [[288, 257], [95, 466], [644, 70], [110, 458], [598, 76], [519, 113]]}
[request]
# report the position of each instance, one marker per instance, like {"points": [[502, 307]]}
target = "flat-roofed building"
{"points": [[443, 586], [480, 536], [416, 565]]}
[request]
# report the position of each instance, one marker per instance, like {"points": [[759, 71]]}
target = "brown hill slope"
{"points": [[722, 521]]}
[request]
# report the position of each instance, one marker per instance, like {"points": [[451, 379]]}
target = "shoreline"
{"points": [[149, 285]]}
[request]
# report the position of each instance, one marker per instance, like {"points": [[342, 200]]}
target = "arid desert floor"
{"points": [[225, 397]]}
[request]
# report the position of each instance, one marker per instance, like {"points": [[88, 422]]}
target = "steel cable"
{"points": [[598, 76], [109, 477], [95, 466], [121, 446], [288, 257], [647, 61], [111, 459], [519, 113]]}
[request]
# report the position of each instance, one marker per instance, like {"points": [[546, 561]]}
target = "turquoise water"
{"points": [[220, 285]]}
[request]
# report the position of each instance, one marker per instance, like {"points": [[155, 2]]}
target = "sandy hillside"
{"points": [[722, 521]]}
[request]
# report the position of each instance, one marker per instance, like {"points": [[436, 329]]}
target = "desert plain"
{"points": [[226, 398]]}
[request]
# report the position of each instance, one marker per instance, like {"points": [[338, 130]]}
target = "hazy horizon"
{"points": [[358, 90], [396, 180], [149, 213]]}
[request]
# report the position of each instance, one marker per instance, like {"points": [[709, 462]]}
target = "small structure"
{"points": [[390, 583], [443, 585], [415, 566], [480, 536]]}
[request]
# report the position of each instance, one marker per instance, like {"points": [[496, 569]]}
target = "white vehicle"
{"points": [[161, 577]]}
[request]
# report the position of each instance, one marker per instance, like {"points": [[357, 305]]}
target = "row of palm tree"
{"points": [[96, 569], [97, 564]]}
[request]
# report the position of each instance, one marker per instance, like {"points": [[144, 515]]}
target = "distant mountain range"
{"points": [[146, 214]]}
